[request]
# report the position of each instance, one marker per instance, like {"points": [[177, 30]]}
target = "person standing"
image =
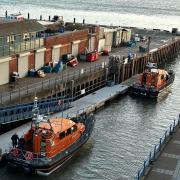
{"points": [[21, 143], [15, 139]]}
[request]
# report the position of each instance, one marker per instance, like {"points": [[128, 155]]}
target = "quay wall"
{"points": [[117, 73], [122, 71]]}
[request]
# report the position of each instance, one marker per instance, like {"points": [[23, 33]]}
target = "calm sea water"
{"points": [[163, 14]]}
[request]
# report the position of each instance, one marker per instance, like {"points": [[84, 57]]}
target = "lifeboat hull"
{"points": [[138, 90], [46, 166]]}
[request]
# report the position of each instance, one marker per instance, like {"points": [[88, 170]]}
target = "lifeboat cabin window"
{"points": [[62, 135], [68, 132], [74, 128]]}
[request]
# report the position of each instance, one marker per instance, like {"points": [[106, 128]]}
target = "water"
{"points": [[163, 14]]}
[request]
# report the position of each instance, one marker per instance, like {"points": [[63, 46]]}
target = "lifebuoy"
{"points": [[29, 156], [14, 152]]}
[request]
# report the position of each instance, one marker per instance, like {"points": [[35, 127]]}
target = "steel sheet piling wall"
{"points": [[162, 55]]}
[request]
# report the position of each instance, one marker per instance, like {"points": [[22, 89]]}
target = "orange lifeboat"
{"points": [[50, 142], [152, 81]]}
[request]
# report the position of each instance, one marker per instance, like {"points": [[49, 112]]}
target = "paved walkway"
{"points": [[167, 166]]}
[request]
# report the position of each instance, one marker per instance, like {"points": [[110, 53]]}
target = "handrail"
{"points": [[23, 152], [157, 148], [25, 112]]}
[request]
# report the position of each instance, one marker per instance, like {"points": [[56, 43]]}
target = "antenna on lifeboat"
{"points": [[35, 110], [35, 107]]}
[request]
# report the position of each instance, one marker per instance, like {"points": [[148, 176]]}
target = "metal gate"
{"points": [[24, 111]]}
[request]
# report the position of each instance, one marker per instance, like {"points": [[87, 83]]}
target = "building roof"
{"points": [[19, 27]]}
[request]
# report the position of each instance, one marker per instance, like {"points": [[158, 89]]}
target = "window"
{"points": [[74, 128], [62, 135], [26, 36], [68, 132], [10, 39]]}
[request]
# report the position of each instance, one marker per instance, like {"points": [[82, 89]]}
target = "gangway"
{"points": [[20, 112]]}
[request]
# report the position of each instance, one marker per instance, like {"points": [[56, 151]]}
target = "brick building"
{"points": [[24, 46]]}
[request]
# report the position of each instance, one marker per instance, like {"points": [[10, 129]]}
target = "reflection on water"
{"points": [[125, 132]]}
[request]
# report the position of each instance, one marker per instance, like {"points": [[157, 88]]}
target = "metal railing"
{"points": [[89, 89], [48, 84], [21, 154], [24, 111], [153, 155]]}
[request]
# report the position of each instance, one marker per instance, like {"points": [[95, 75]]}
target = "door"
{"points": [[39, 60], [4, 73], [23, 66], [91, 44], [75, 48], [101, 45], [55, 54]]}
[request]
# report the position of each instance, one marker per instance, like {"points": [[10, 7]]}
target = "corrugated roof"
{"points": [[19, 27]]}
